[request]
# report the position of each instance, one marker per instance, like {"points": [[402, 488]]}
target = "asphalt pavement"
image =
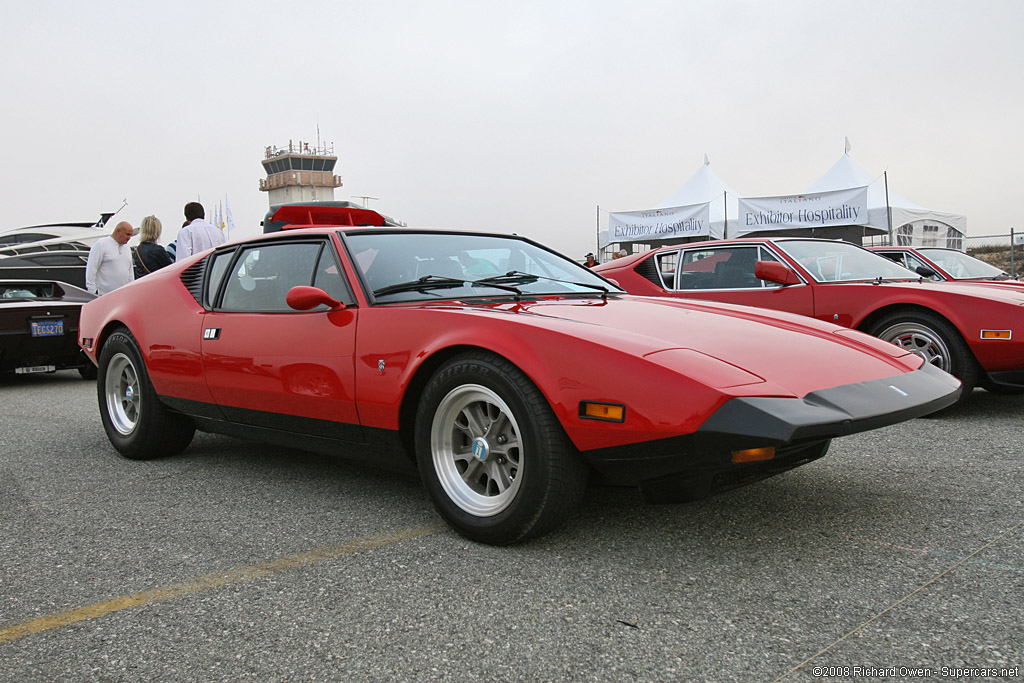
{"points": [[898, 555]]}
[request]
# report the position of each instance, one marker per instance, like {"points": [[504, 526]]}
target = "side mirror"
{"points": [[773, 271], [304, 298], [925, 271]]}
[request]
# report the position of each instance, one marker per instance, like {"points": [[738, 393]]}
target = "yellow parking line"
{"points": [[215, 580]]}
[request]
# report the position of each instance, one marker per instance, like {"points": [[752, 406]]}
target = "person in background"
{"points": [[149, 255], [110, 261], [591, 261], [198, 235]]}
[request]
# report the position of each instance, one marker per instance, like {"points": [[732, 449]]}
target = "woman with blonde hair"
{"points": [[149, 256]]}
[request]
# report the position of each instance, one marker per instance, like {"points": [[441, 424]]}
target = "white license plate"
{"points": [[35, 368]]}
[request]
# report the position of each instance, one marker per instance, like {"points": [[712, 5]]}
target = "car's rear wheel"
{"points": [[932, 338], [493, 457], [137, 424]]}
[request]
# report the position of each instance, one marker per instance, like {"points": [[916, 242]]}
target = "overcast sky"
{"points": [[508, 116]]}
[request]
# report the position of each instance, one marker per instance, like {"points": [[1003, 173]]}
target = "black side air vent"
{"points": [[648, 269], [192, 278]]}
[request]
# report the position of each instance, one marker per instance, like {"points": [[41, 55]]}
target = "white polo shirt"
{"points": [[197, 236], [109, 266]]}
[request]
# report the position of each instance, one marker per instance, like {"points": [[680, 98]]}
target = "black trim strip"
{"points": [[372, 446]]}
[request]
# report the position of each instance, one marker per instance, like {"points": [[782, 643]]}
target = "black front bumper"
{"points": [[700, 464]]}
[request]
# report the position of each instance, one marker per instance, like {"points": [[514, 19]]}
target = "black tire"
{"points": [[492, 455], [87, 371], [137, 423], [932, 338]]}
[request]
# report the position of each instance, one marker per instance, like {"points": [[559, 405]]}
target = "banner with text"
{"points": [[817, 210], [658, 224]]}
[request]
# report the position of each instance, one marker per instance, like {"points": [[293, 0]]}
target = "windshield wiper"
{"points": [[421, 285], [520, 277], [438, 282], [511, 276]]}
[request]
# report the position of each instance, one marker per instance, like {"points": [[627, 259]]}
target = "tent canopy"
{"points": [[723, 209], [706, 186], [846, 173]]}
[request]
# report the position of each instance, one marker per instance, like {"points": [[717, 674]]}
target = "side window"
{"points": [[328, 276], [24, 238], [221, 261], [667, 261], [895, 257], [765, 255], [58, 259], [730, 268], [263, 274]]}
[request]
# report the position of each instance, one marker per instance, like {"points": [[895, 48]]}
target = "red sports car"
{"points": [[504, 372], [947, 265], [973, 332]]}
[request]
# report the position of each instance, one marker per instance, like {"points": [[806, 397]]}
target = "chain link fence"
{"points": [[1002, 251]]}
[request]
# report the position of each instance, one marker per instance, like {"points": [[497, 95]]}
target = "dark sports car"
{"points": [[39, 327], [62, 263], [503, 372], [974, 332]]}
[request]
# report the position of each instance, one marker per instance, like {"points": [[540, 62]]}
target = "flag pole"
{"points": [[888, 209], [725, 225]]}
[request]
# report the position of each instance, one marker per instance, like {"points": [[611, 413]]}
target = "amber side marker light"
{"points": [[997, 334], [610, 412], [753, 454]]}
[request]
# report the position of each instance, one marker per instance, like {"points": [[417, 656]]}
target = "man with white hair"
{"points": [[110, 261]]}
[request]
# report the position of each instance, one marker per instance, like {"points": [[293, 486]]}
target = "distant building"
{"points": [[299, 173]]}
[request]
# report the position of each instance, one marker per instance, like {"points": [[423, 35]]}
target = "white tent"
{"points": [[706, 186], [910, 222]]}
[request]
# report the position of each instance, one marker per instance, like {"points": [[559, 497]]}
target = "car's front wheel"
{"points": [[493, 457], [137, 424], [932, 338]]}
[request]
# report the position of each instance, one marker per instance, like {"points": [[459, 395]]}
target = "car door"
{"points": [[726, 273], [269, 365]]}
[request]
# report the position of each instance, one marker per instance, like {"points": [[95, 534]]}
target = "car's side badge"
{"points": [[380, 366], [211, 333]]}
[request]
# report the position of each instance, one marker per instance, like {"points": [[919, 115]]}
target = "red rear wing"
{"points": [[305, 216]]}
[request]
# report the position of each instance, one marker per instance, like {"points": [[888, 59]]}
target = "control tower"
{"points": [[299, 173]]}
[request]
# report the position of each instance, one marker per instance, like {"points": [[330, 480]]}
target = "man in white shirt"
{"points": [[110, 261], [198, 235]]}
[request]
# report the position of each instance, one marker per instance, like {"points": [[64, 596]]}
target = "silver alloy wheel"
{"points": [[921, 340], [477, 452], [123, 394]]}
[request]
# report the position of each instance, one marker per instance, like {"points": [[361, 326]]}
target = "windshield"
{"points": [[424, 266], [828, 261], [960, 266]]}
